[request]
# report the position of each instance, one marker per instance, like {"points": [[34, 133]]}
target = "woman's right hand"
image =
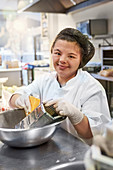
{"points": [[23, 102]]}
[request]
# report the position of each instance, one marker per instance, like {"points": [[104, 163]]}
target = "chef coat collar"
{"points": [[69, 82]]}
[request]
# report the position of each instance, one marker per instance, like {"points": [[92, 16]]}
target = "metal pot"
{"points": [[23, 137]]}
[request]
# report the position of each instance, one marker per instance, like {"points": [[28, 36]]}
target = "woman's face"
{"points": [[66, 59]]}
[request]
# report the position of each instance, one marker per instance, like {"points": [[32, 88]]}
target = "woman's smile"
{"points": [[62, 67]]}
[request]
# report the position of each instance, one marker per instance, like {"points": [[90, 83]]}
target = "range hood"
{"points": [[57, 6], [48, 6]]}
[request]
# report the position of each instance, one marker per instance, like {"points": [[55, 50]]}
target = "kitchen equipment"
{"points": [[106, 53], [92, 67], [97, 160], [50, 110], [93, 27], [100, 154], [23, 137], [39, 117]]}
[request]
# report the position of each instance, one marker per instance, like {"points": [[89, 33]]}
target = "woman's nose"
{"points": [[63, 58]]}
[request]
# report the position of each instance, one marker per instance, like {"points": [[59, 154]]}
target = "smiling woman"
{"points": [[70, 90]]}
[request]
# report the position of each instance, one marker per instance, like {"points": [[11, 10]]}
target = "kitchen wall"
{"points": [[101, 11], [59, 21]]}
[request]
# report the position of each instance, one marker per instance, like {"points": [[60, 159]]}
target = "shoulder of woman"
{"points": [[87, 77], [90, 82]]}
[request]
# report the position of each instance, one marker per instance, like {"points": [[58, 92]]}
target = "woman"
{"points": [[74, 93]]}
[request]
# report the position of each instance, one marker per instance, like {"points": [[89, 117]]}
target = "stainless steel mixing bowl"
{"points": [[23, 137]]}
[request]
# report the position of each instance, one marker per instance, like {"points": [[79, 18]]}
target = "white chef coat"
{"points": [[83, 91]]}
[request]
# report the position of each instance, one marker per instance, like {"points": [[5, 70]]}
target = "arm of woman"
{"points": [[83, 128], [77, 118]]}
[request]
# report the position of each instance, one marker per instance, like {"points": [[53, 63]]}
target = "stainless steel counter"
{"points": [[62, 148]]}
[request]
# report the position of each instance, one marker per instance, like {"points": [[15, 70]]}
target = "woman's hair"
{"points": [[73, 35]]}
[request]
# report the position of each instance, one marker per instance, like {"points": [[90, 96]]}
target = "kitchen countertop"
{"points": [[10, 69], [62, 148], [97, 76]]}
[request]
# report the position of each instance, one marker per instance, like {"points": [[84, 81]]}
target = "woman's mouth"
{"points": [[62, 67]]}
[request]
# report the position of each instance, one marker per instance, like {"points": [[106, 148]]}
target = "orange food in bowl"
{"points": [[34, 102]]}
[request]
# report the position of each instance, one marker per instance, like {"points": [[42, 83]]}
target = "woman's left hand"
{"points": [[65, 108]]}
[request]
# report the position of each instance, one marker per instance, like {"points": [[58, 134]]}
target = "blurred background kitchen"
{"points": [[28, 27]]}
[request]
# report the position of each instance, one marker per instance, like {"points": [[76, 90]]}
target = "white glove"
{"points": [[23, 102], [65, 108]]}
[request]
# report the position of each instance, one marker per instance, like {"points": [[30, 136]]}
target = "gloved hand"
{"points": [[65, 108], [23, 102]]}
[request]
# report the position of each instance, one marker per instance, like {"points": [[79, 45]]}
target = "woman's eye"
{"points": [[57, 53], [71, 56]]}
